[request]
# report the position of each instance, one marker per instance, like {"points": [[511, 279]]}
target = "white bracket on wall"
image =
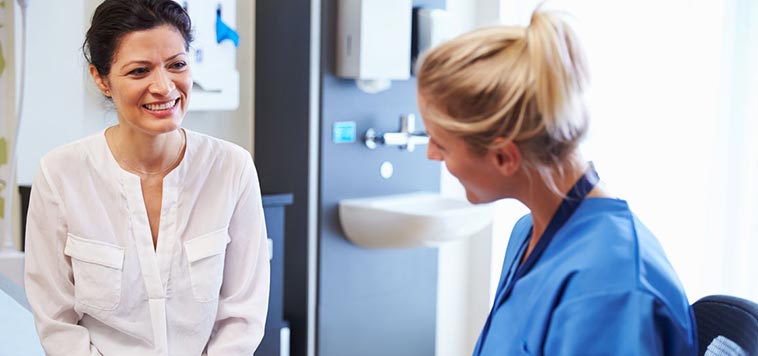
{"points": [[213, 54]]}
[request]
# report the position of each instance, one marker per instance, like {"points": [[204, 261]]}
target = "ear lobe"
{"points": [[101, 82]]}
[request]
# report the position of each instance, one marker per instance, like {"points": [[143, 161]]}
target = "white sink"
{"points": [[411, 220]]}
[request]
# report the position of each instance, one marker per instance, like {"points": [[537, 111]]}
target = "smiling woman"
{"points": [[146, 237], [504, 107], [149, 79]]}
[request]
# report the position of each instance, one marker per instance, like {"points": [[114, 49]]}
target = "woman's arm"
{"points": [[48, 279], [620, 323], [243, 302]]}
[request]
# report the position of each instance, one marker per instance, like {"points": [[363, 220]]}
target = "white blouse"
{"points": [[96, 284]]}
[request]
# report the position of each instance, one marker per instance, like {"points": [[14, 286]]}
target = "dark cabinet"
{"points": [[273, 209]]}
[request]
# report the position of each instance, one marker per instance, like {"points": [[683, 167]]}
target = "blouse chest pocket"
{"points": [[97, 268], [205, 257]]}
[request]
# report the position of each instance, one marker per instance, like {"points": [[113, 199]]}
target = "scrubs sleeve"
{"points": [[626, 323], [243, 302], [48, 279]]}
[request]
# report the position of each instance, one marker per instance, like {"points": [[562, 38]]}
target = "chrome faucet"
{"points": [[407, 139]]}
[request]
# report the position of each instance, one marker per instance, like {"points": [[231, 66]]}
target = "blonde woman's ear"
{"points": [[506, 155], [99, 81]]}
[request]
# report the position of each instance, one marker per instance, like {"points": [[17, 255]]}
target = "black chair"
{"points": [[726, 325]]}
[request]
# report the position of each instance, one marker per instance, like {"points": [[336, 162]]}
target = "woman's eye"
{"points": [[138, 71], [179, 65]]}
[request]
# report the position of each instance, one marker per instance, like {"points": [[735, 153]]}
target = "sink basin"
{"points": [[411, 220]]}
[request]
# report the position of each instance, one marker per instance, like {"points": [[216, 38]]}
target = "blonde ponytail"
{"points": [[559, 72]]}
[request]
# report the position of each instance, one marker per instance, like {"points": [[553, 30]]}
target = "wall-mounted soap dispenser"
{"points": [[213, 54], [373, 41]]}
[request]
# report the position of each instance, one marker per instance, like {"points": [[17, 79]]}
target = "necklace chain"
{"points": [[149, 174]]}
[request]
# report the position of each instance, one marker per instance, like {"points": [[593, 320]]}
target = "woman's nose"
{"points": [[162, 85]]}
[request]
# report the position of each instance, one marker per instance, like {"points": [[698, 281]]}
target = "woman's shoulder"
{"points": [[610, 217], [611, 249], [206, 147], [72, 155], [604, 232]]}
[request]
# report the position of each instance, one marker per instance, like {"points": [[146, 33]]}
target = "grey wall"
{"points": [[370, 302]]}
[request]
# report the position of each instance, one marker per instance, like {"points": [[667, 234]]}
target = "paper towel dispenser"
{"points": [[374, 39]]}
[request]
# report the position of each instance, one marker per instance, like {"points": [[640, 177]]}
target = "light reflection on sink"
{"points": [[411, 220]]}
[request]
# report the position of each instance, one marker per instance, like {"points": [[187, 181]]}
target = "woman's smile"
{"points": [[162, 109]]}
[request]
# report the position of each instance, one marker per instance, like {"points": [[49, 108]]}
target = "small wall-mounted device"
{"points": [[343, 132], [374, 39]]}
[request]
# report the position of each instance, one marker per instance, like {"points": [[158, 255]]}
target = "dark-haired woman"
{"points": [[146, 238]]}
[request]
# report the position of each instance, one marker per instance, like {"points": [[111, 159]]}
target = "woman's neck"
{"points": [[146, 154], [543, 201]]}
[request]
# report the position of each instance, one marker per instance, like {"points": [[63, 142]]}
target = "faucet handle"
{"points": [[408, 123], [407, 139], [408, 127]]}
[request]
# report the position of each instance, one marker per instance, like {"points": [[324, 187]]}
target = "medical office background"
{"points": [[674, 124]]}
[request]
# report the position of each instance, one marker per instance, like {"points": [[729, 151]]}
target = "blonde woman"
{"points": [[581, 275]]}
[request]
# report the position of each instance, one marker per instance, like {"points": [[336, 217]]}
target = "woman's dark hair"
{"points": [[114, 19]]}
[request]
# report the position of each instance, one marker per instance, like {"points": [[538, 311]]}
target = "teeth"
{"points": [[165, 106]]}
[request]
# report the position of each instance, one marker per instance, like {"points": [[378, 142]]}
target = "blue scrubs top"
{"points": [[602, 287]]}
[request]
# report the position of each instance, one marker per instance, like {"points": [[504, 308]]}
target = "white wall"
{"points": [[54, 100]]}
